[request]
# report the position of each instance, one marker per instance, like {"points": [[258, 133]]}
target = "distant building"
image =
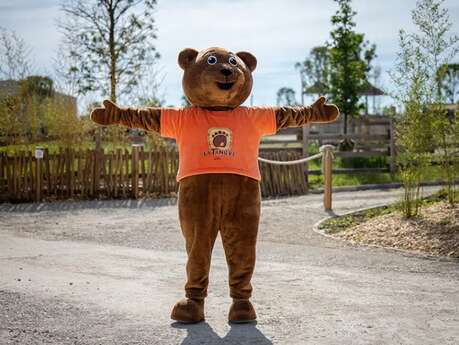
{"points": [[20, 92], [12, 88]]}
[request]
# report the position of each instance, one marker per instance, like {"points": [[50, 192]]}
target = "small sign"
{"points": [[38, 153]]}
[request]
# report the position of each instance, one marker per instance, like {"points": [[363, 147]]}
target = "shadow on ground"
{"points": [[202, 333], [87, 204]]}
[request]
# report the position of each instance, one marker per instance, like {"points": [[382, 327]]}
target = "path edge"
{"points": [[407, 252]]}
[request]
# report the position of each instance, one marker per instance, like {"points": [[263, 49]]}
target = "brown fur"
{"points": [[241, 311], [318, 112], [210, 203], [200, 79]]}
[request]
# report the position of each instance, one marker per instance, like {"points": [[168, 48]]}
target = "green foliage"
{"points": [[446, 137], [448, 79], [37, 86], [350, 58], [150, 102], [37, 113], [315, 71], [424, 126], [362, 162], [286, 97], [11, 125], [337, 224]]}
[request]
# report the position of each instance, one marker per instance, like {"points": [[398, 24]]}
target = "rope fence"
{"points": [[325, 151]]}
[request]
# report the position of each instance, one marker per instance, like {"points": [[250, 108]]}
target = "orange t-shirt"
{"points": [[218, 141]]}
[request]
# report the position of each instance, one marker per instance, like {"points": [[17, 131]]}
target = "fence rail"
{"points": [[381, 143], [119, 174]]}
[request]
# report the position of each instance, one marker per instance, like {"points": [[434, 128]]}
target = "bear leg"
{"points": [[198, 214], [239, 228]]}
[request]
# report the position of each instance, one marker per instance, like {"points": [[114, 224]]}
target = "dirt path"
{"points": [[109, 272]]}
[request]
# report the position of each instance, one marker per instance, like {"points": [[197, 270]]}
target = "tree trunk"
{"points": [[111, 43]]}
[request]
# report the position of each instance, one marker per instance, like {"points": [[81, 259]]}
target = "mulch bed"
{"points": [[434, 231]]}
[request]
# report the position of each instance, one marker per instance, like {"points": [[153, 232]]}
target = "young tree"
{"points": [[286, 97], [350, 58], [315, 70], [15, 62], [62, 123], [11, 125], [35, 92], [423, 125], [439, 48], [109, 42]]}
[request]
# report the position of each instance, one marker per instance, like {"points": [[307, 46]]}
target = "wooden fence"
{"points": [[374, 138], [120, 174]]}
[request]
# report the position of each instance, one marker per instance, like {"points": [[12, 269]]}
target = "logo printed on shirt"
{"points": [[219, 141], [220, 138]]}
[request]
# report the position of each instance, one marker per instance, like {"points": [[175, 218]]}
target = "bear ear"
{"points": [[249, 60], [186, 57]]}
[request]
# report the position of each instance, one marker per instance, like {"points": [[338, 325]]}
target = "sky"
{"points": [[278, 32]]}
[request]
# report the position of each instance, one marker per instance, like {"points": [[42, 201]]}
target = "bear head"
{"points": [[216, 78]]}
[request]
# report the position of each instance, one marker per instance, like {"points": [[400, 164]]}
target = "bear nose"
{"points": [[226, 71]]}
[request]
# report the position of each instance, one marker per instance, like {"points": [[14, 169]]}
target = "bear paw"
{"points": [[220, 139], [241, 311], [188, 310]]}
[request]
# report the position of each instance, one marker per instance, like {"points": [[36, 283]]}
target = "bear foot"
{"points": [[241, 311], [188, 310]]}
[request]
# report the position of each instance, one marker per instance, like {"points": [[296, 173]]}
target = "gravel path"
{"points": [[109, 272]]}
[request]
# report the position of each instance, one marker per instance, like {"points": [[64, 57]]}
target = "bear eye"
{"points": [[211, 60], [232, 60]]}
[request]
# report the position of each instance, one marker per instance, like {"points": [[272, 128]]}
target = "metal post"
{"points": [[327, 166]]}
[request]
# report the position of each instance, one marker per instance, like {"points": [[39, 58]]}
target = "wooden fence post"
{"points": [[306, 152], [135, 170], [392, 146], [38, 159], [96, 171], [327, 166]]}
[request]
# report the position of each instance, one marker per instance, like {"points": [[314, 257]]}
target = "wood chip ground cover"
{"points": [[434, 231]]}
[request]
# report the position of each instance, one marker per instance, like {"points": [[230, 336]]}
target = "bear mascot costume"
{"points": [[219, 190]]}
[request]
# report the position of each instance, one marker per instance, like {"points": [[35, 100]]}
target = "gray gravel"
{"points": [[108, 273]]}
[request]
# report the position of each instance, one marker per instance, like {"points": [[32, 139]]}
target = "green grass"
{"points": [[432, 173], [52, 146], [337, 224]]}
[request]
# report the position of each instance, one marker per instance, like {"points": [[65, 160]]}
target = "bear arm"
{"points": [[300, 116], [292, 116], [148, 119]]}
